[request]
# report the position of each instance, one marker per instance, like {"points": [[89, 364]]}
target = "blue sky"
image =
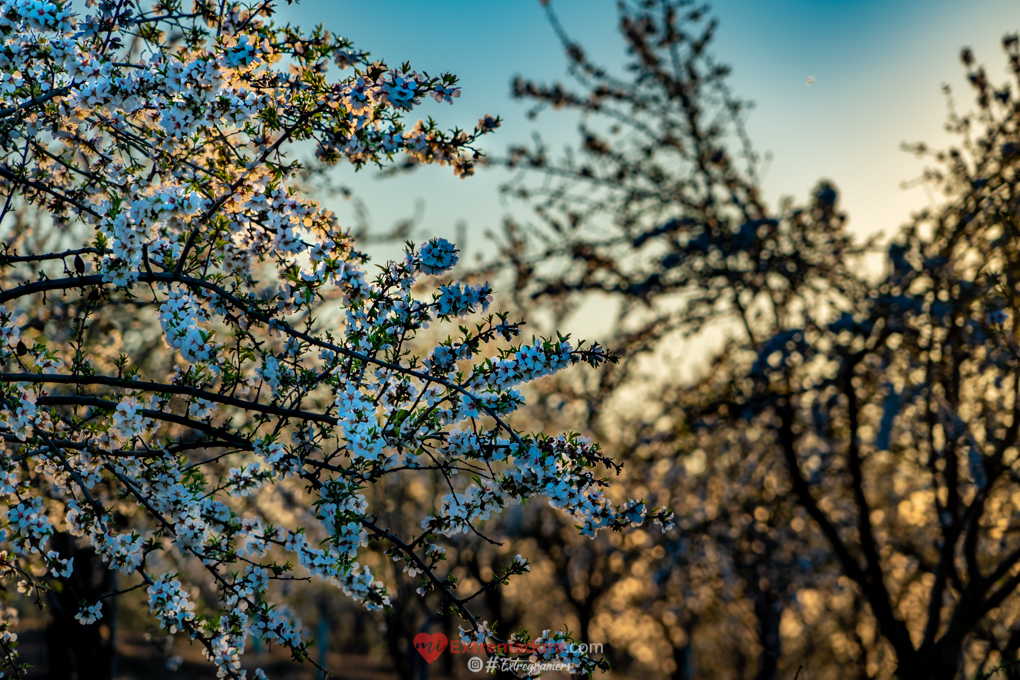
{"points": [[878, 68]]}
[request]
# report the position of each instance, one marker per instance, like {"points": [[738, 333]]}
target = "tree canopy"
{"points": [[200, 377], [845, 464]]}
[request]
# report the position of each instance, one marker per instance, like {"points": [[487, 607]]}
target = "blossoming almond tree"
{"points": [[154, 147]]}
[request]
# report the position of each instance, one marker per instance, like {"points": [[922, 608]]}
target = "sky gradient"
{"points": [[878, 68]]}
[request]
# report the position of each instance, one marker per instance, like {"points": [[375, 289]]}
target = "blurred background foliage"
{"points": [[840, 448]]}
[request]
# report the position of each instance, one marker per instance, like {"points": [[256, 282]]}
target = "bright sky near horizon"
{"points": [[877, 68]]}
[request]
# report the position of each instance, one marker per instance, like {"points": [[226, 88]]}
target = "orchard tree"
{"points": [[655, 216], [849, 453], [200, 381]]}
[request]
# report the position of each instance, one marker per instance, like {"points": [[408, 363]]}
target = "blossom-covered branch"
{"points": [[185, 336]]}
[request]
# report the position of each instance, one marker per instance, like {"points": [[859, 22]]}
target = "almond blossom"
{"points": [[193, 376]]}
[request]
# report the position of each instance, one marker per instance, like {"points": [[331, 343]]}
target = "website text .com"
{"points": [[458, 647]]}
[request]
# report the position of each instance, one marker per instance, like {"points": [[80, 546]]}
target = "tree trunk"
{"points": [[683, 657], [1009, 656], [399, 639], [769, 610], [78, 652], [322, 635], [943, 662]]}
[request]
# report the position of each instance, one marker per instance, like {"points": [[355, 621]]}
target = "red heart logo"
{"points": [[430, 646]]}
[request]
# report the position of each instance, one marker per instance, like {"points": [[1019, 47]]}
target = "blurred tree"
{"points": [[641, 214], [845, 464]]}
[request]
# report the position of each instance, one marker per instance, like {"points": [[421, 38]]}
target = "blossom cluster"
{"points": [[194, 386]]}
